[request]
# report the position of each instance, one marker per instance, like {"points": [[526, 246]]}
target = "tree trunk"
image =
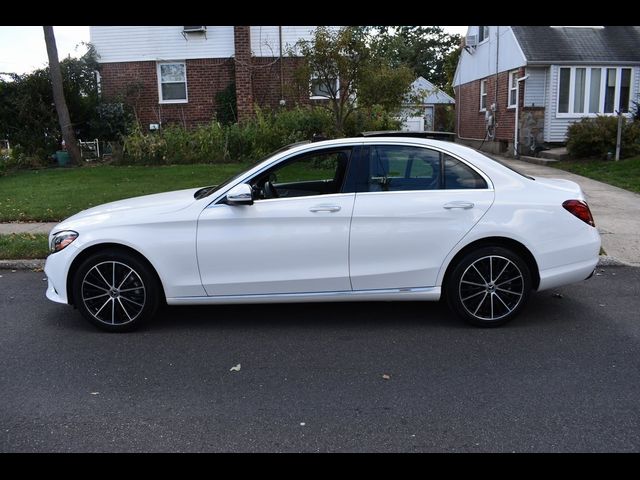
{"points": [[58, 96]]}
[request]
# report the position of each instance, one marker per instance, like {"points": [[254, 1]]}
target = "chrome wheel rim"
{"points": [[113, 293], [491, 288]]}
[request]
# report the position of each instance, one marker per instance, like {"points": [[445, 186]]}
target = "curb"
{"points": [[38, 264], [32, 264]]}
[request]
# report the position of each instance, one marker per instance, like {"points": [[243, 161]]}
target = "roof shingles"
{"points": [[541, 44]]}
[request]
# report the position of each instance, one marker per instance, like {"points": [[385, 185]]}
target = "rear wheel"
{"points": [[116, 291], [489, 286]]}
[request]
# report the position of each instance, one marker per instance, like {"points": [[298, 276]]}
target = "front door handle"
{"points": [[465, 205], [325, 208]]}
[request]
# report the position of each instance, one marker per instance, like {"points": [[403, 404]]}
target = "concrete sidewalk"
{"points": [[7, 228], [615, 211]]}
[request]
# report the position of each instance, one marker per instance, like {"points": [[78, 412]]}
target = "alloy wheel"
{"points": [[113, 293], [491, 287]]}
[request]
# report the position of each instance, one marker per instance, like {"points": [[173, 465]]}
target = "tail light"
{"points": [[580, 209]]}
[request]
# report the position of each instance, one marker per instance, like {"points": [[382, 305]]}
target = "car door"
{"points": [[413, 204], [294, 238]]}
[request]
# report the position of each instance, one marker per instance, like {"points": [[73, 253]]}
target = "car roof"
{"points": [[449, 146]]}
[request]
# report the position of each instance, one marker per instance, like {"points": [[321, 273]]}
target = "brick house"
{"points": [[172, 74], [546, 77]]}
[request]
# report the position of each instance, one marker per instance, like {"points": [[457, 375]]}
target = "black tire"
{"points": [[116, 291], [488, 287]]}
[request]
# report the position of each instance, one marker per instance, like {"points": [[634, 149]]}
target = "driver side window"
{"points": [[315, 173]]}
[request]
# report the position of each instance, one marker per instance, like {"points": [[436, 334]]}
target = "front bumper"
{"points": [[56, 269]]}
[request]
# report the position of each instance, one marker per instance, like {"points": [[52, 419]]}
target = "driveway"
{"points": [[615, 211]]}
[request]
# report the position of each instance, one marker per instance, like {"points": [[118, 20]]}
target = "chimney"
{"points": [[244, 87]]}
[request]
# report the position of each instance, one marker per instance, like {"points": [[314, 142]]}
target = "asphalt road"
{"points": [[563, 377]]}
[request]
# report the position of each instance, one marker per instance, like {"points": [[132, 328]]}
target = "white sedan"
{"points": [[341, 220]]}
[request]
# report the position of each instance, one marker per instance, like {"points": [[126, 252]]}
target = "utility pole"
{"points": [[58, 96]]}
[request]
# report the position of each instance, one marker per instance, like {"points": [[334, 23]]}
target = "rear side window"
{"points": [[393, 168], [458, 175]]}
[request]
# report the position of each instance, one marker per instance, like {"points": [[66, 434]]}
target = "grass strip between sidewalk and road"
{"points": [[623, 173], [53, 194], [24, 246]]}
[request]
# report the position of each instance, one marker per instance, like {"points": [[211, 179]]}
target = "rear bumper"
{"points": [[566, 274]]}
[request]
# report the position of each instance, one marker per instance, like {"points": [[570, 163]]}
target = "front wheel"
{"points": [[489, 286], [116, 291]]}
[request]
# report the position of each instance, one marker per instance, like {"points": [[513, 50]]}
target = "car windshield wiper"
{"points": [[203, 192]]}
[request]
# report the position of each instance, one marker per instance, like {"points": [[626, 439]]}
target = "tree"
{"points": [[27, 119], [66, 127], [426, 50], [349, 73]]}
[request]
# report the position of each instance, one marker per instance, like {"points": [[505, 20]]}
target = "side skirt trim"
{"points": [[394, 294]]}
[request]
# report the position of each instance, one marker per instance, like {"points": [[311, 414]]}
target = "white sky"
{"points": [[22, 49]]}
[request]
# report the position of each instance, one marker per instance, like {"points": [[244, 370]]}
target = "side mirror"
{"points": [[240, 195]]}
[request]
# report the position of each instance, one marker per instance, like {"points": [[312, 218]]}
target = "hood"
{"points": [[130, 209]]}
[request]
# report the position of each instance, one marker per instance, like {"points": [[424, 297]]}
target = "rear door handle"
{"points": [[465, 205], [325, 208]]}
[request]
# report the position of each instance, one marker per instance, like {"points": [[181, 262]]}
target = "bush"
{"points": [[371, 119], [111, 121], [595, 137], [16, 158], [216, 143]]}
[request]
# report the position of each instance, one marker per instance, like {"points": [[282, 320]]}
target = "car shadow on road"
{"points": [[312, 315]]}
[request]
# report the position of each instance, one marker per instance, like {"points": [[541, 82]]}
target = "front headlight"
{"points": [[62, 239]]}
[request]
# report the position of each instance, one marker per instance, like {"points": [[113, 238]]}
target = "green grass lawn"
{"points": [[23, 246], [54, 194], [623, 173]]}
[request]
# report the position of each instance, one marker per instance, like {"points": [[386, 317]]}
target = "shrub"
{"points": [[371, 119], [111, 121], [595, 137], [16, 158], [217, 143], [226, 110]]}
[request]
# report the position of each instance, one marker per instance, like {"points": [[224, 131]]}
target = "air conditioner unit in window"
{"points": [[194, 29], [470, 41]]}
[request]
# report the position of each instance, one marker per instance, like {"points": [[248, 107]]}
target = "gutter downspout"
{"points": [[281, 67], [495, 101], [515, 140]]}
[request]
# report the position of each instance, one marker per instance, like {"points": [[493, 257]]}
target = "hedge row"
{"points": [[246, 142]]}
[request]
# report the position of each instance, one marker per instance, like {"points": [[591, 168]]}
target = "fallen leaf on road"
{"points": [[235, 369], [386, 377]]}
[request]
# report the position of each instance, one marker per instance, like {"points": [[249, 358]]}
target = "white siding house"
{"points": [[568, 73], [159, 43]]}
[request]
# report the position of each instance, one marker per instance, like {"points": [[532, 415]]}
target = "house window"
{"points": [[513, 88], [591, 91], [483, 95], [483, 33], [319, 90], [172, 82]]}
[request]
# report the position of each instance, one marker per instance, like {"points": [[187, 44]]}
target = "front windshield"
{"points": [[205, 192]]}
